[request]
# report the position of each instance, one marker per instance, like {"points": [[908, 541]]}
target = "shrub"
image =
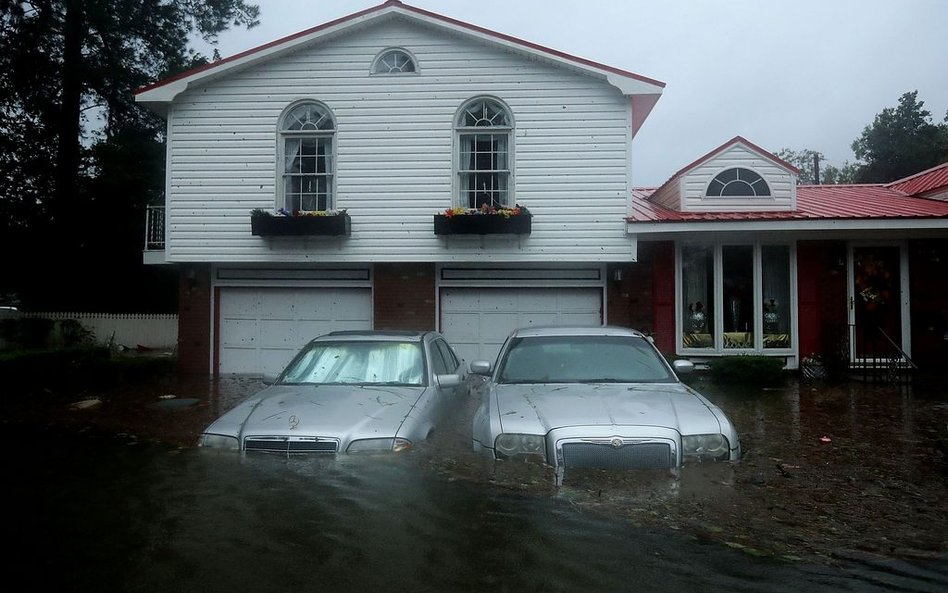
{"points": [[760, 370]]}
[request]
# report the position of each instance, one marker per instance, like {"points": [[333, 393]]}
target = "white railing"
{"points": [[154, 228], [131, 330]]}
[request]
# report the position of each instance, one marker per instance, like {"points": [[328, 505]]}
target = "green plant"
{"points": [[758, 370]]}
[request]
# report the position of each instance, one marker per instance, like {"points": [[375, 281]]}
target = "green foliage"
{"points": [[758, 370], [901, 141], [829, 174], [79, 159]]}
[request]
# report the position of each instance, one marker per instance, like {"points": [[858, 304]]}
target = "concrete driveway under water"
{"points": [[842, 487]]}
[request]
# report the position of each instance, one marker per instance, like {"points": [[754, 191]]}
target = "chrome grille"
{"points": [[605, 456], [290, 445]]}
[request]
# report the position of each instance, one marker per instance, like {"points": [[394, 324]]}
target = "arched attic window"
{"points": [[306, 133], [484, 128], [394, 61], [738, 182]]}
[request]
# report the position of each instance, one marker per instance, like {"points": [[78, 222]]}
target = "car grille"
{"points": [[290, 445], [605, 456]]}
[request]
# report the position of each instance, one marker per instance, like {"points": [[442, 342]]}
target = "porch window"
{"points": [[483, 128], [306, 133], [735, 297]]}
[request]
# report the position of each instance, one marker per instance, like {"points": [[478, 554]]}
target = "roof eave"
{"points": [[786, 224], [165, 91]]}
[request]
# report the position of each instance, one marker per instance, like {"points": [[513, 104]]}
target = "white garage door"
{"points": [[262, 328], [477, 320]]}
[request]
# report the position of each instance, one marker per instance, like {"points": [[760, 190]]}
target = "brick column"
{"points": [[194, 319], [405, 296]]}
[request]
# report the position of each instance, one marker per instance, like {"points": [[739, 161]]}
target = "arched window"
{"points": [[484, 129], [739, 182], [306, 135], [394, 61]]}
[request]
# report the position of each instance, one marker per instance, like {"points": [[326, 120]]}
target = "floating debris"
{"points": [[85, 404]]}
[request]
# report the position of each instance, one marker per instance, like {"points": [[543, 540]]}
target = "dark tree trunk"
{"points": [[68, 149]]}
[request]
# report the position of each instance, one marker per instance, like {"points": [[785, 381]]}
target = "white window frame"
{"points": [[763, 178], [459, 192], [718, 330], [374, 70], [283, 135]]}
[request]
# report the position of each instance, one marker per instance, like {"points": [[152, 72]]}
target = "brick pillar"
{"points": [[405, 296], [629, 302], [194, 319], [663, 295]]}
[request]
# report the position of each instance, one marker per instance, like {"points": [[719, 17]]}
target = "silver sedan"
{"points": [[348, 392], [595, 398]]}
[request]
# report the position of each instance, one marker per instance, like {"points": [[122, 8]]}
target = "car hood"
{"points": [[321, 410], [539, 408]]}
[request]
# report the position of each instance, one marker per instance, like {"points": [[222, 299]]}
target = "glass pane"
{"points": [[739, 315], [308, 116], [775, 269], [358, 363], [697, 292]]}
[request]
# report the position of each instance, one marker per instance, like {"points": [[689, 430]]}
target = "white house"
{"points": [[394, 115], [389, 125]]}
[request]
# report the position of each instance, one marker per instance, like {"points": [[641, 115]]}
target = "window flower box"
{"points": [[295, 224], [483, 221]]}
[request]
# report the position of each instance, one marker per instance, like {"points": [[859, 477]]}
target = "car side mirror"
{"points": [[481, 367], [448, 381], [683, 367], [268, 379]]}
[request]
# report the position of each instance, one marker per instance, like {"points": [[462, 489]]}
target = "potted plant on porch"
{"points": [[299, 223], [485, 220]]}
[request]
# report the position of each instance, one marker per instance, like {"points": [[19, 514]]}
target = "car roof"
{"points": [[358, 335], [607, 330]]}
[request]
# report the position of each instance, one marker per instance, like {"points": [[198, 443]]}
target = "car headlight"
{"points": [[396, 445], [705, 446], [509, 445], [219, 441]]}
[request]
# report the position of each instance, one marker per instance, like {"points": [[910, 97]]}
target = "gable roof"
{"points": [[924, 182], [643, 89], [735, 141]]}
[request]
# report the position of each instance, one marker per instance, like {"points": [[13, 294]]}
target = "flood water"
{"points": [[95, 512]]}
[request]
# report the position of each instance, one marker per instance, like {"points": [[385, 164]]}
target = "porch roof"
{"points": [[814, 202], [926, 181]]}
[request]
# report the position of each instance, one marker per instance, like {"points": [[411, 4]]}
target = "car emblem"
{"points": [[294, 421], [616, 443]]}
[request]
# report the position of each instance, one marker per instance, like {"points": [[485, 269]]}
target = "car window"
{"points": [[437, 360], [583, 359], [358, 362], [449, 358]]}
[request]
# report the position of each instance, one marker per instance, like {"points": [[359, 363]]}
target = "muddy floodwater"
{"points": [[841, 488]]}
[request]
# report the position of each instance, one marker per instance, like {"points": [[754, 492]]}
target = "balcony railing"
{"points": [[154, 228]]}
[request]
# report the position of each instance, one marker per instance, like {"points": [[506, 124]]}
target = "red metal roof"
{"points": [[814, 202], [920, 183], [405, 7]]}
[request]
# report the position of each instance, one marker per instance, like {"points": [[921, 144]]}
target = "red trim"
{"points": [[407, 8]]}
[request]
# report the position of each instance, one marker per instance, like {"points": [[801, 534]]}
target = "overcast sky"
{"points": [[783, 74]]}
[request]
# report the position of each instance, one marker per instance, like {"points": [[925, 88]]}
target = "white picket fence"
{"points": [[128, 330]]}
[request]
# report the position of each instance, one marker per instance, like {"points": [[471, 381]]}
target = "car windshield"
{"points": [[358, 362], [583, 359]]}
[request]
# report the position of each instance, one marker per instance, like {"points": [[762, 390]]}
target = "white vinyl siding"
{"points": [[694, 184], [394, 151]]}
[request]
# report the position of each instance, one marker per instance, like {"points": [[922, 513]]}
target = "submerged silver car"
{"points": [[596, 398], [348, 392]]}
